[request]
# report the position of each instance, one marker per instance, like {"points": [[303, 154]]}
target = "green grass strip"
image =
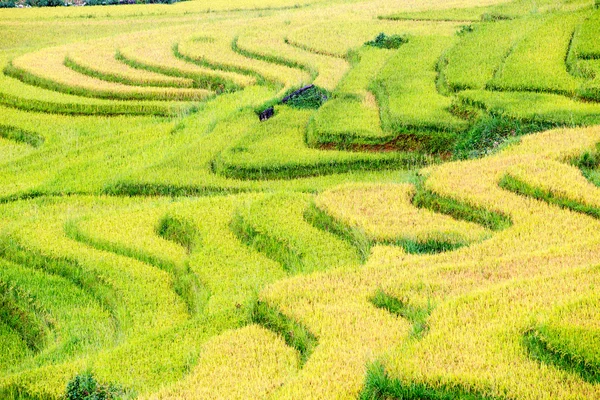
{"points": [[379, 386], [294, 334], [321, 220], [105, 76], [179, 230], [34, 80], [205, 81], [19, 135], [260, 80], [185, 282], [517, 186], [539, 349], [134, 189], [42, 106], [87, 280], [15, 392], [293, 170], [18, 310], [417, 316], [272, 59], [270, 246], [459, 210]]}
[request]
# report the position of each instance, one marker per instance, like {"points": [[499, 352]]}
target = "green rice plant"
{"points": [[537, 63], [344, 123], [144, 52], [490, 13], [384, 214], [589, 69], [221, 54], [522, 188], [295, 244], [352, 117], [338, 35], [472, 14], [537, 108], [380, 386], [568, 338], [275, 149], [253, 355], [295, 335], [585, 43], [490, 134], [30, 69], [66, 321], [17, 315], [14, 347], [459, 210], [472, 62], [416, 315], [270, 46], [16, 94], [19, 135], [120, 73], [180, 231], [356, 237], [185, 283], [408, 98]]}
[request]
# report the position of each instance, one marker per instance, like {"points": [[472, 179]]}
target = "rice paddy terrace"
{"points": [[422, 223]]}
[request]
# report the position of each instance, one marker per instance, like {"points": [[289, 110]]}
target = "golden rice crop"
{"points": [[46, 68], [385, 213]]}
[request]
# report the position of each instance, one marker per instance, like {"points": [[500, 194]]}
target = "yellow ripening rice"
{"points": [[155, 52], [219, 53], [270, 44], [46, 68], [474, 338], [97, 59], [248, 363], [135, 230], [337, 37], [560, 179], [385, 213], [146, 300]]}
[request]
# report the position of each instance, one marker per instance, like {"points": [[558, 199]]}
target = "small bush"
{"points": [[383, 41], [465, 29], [85, 387], [588, 160], [45, 3], [493, 17], [491, 134], [313, 97], [7, 4]]}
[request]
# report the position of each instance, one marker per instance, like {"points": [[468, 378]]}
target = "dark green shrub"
{"points": [[313, 97], [45, 3], [490, 133], [465, 29], [494, 16], [588, 160], [85, 387], [384, 41], [7, 3]]}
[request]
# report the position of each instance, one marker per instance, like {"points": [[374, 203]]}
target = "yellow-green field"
{"points": [[422, 223]]}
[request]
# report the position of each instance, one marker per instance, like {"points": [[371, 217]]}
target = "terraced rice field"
{"points": [[422, 223]]}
